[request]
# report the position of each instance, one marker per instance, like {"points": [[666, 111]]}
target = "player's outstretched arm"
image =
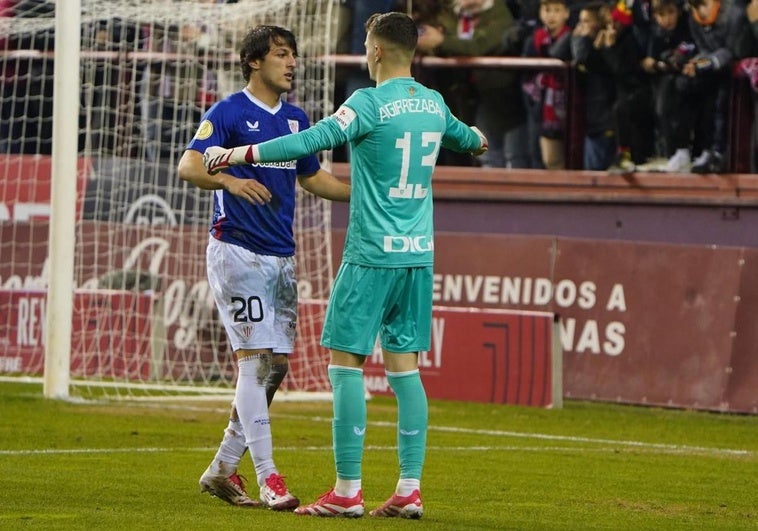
{"points": [[192, 169], [217, 159], [326, 134], [464, 138]]}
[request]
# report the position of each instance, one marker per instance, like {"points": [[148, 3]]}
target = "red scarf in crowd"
{"points": [[551, 85]]}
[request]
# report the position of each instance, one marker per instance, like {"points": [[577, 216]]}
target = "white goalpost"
{"points": [[103, 289]]}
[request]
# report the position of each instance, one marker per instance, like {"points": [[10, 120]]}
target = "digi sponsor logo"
{"points": [[408, 244]]}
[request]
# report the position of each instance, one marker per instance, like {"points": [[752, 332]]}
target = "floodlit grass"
{"points": [[587, 466]]}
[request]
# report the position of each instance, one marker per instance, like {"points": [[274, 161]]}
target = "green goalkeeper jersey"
{"points": [[395, 132]]}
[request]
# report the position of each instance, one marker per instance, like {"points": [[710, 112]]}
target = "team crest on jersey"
{"points": [[294, 125], [247, 331], [344, 117], [204, 131], [412, 91]]}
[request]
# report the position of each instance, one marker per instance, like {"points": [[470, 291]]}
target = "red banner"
{"points": [[110, 336], [25, 193], [497, 356], [640, 322]]}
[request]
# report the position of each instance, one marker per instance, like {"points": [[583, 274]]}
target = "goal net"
{"points": [[144, 321]]}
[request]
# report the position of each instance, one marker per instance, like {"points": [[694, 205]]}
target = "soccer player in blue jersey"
{"points": [[250, 255], [384, 284]]}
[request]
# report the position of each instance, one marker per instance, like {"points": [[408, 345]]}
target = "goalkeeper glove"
{"points": [[216, 158], [483, 146]]}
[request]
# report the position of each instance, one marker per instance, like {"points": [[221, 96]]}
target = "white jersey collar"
{"points": [[259, 103]]}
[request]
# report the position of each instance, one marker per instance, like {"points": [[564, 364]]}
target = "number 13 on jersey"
{"points": [[430, 144]]}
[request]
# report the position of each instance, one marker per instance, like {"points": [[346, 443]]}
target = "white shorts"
{"points": [[256, 297]]}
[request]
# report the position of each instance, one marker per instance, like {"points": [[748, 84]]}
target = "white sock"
{"points": [[232, 447], [252, 408], [347, 488], [405, 486]]}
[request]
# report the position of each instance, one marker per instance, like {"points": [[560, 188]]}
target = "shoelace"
{"points": [[239, 481], [276, 483], [324, 497]]}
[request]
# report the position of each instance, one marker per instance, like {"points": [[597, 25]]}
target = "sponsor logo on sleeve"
{"points": [[345, 116]]}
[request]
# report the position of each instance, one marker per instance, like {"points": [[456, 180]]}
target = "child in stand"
{"points": [[670, 47], [597, 85], [547, 90], [719, 28], [633, 107]]}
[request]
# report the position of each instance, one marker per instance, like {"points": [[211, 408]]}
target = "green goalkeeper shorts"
{"points": [[395, 303]]}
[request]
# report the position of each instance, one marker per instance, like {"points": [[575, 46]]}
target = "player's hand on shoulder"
{"points": [[216, 159], [484, 145]]}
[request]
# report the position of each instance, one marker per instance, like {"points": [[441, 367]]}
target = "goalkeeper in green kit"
{"points": [[384, 284]]}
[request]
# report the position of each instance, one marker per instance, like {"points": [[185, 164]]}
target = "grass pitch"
{"points": [[587, 466]]}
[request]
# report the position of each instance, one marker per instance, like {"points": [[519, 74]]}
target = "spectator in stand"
{"points": [[642, 21], [750, 68], [527, 16], [351, 35], [595, 81], [356, 36], [487, 96], [102, 84], [632, 110], [670, 47], [26, 98], [719, 30], [546, 91], [175, 91]]}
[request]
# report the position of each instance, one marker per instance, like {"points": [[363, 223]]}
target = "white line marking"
{"points": [[608, 445], [670, 449]]}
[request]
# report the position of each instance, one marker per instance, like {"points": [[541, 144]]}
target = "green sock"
{"points": [[349, 424], [412, 421]]}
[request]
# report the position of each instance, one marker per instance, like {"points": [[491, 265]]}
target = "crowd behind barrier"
{"points": [[37, 127], [523, 80]]}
